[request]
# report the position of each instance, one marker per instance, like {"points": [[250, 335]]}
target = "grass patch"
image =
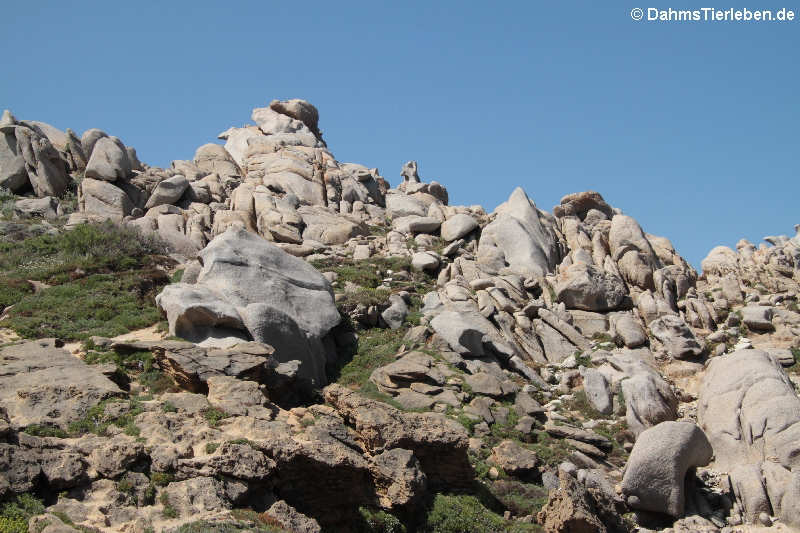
{"points": [[549, 450], [97, 421], [580, 404], [101, 304], [211, 447], [366, 273], [15, 513], [214, 416], [520, 498], [376, 347], [169, 511], [244, 520], [101, 276], [136, 365], [364, 296], [45, 430]]}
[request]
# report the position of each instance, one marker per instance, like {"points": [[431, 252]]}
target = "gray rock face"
{"points": [[409, 172], [458, 226], [168, 191], [655, 472], [416, 224], [597, 390], [632, 252], [649, 400], [748, 408], [396, 312], [46, 170], [424, 261], [215, 159], [580, 204], [43, 384], [13, 175], [627, 329], [513, 458], [400, 205], [89, 139], [675, 335], [588, 288], [758, 317], [470, 334], [300, 110], [521, 239], [196, 313], [720, 261], [109, 160], [104, 200], [279, 299], [326, 227], [36, 207]]}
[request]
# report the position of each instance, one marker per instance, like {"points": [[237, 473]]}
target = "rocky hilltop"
{"points": [[267, 339]]}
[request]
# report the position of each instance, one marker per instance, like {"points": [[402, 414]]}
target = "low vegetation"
{"points": [[95, 279], [135, 366], [15, 513], [465, 513]]}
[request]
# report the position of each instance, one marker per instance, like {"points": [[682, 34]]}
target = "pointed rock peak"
{"points": [[518, 202], [8, 119], [409, 172]]}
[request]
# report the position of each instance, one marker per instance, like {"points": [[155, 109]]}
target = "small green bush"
{"points": [[461, 514], [45, 430], [378, 521], [161, 479], [214, 416], [211, 447], [169, 511], [15, 513], [97, 421], [376, 347]]}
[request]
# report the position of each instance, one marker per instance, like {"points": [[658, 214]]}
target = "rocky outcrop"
{"points": [[439, 443], [521, 239], [750, 410], [252, 287], [42, 384], [655, 472]]}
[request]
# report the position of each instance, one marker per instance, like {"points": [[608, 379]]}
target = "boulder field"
{"points": [[338, 354]]}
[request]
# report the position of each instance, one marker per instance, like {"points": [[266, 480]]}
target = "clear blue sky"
{"points": [[691, 128]]}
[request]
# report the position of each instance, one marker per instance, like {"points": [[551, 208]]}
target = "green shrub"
{"points": [[377, 521], [520, 498], [15, 513], [169, 511], [376, 347], [581, 404], [102, 304], [45, 430], [161, 479], [101, 282], [796, 366], [211, 447], [461, 514], [214, 416], [97, 421]]}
